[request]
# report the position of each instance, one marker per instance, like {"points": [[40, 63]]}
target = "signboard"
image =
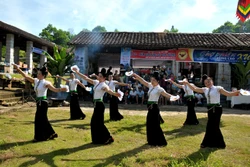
{"points": [[79, 59], [38, 51], [219, 56], [184, 55], [153, 55], [125, 56]]}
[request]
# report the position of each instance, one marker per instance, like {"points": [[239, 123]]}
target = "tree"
{"points": [[58, 36], [60, 64], [85, 30], [172, 30], [99, 29], [229, 27], [241, 71], [116, 30]]}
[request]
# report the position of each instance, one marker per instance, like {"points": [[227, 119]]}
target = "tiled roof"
{"points": [[155, 40], [22, 36]]}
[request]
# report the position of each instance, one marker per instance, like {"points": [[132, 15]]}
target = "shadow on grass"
{"points": [[189, 130], [6, 146], [195, 158], [48, 158], [138, 128], [117, 158]]}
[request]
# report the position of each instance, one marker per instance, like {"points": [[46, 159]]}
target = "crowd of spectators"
{"points": [[135, 93]]}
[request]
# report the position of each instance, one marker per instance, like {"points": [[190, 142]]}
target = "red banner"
{"points": [[153, 55]]}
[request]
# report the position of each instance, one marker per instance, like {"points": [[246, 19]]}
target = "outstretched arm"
{"points": [[227, 93], [62, 78], [140, 79], [80, 84], [109, 91], [176, 84], [165, 94], [122, 84], [193, 87], [91, 81], [52, 88], [29, 78]]}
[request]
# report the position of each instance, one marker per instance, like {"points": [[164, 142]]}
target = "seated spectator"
{"points": [[198, 99], [140, 96], [132, 96], [136, 85], [126, 96]]}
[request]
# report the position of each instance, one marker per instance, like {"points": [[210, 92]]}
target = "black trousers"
{"points": [[113, 109], [99, 132], [155, 134], [191, 115], [213, 136], [75, 110], [43, 129]]}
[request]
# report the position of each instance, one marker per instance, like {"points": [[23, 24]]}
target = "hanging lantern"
{"points": [[243, 10]]}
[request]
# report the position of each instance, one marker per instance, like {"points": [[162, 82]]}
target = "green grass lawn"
{"points": [[73, 147]]}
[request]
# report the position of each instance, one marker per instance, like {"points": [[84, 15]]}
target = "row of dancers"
{"points": [[99, 132]]}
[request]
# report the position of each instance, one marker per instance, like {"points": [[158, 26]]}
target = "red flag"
{"points": [[243, 10]]}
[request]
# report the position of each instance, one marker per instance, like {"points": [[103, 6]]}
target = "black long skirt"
{"points": [[213, 136], [75, 110], [99, 132], [191, 115], [155, 136], [43, 129], [113, 109]]}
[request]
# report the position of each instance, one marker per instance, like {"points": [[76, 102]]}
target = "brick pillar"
{"points": [[29, 55], [43, 58], [1, 46], [9, 58], [16, 54]]}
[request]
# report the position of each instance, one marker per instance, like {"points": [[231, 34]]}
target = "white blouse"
{"points": [[154, 92], [188, 91], [214, 94], [111, 84], [73, 84], [98, 89], [40, 87]]}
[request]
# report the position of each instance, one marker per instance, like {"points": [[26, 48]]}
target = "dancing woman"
{"points": [[99, 132], [189, 95], [155, 136], [113, 104], [213, 136], [75, 110], [43, 129]]}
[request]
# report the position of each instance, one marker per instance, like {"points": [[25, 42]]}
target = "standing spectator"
{"points": [[116, 76], [122, 69], [109, 70], [140, 96], [122, 78]]}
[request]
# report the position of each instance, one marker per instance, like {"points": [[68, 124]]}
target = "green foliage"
{"points": [[60, 64], [58, 36], [3, 51], [85, 30], [116, 30], [229, 27], [99, 29], [172, 30], [241, 71]]}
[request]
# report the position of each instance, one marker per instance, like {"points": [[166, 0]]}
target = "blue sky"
{"points": [[125, 15]]}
